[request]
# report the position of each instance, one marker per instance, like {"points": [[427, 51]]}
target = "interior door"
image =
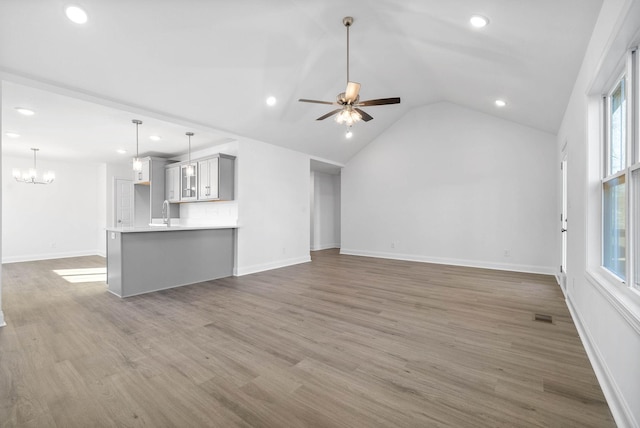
{"points": [[123, 203], [563, 226]]}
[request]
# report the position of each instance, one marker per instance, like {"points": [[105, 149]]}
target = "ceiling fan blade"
{"points": [[302, 100], [380, 102], [351, 94], [331, 113], [365, 116]]}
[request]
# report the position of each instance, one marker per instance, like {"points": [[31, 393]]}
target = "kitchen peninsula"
{"points": [[145, 259]]}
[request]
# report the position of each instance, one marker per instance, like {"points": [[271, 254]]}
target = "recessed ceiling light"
{"points": [[11, 134], [479, 21], [271, 101], [349, 134], [501, 103], [155, 137], [76, 14], [121, 151], [25, 111]]}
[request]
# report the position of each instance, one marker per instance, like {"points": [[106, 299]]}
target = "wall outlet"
{"points": [[506, 253], [394, 244]]}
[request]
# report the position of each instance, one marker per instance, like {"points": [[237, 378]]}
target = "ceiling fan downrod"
{"points": [[347, 21]]}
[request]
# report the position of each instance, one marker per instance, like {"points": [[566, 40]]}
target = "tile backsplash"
{"points": [[209, 213]]}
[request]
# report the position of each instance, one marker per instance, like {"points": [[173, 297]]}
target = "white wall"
{"points": [[326, 211], [2, 321], [607, 317], [50, 221], [101, 213], [273, 189], [447, 184]]}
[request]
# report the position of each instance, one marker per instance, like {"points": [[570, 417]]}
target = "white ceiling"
{"points": [[70, 128], [213, 63]]}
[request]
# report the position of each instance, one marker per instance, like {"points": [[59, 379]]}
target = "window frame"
{"points": [[629, 72]]}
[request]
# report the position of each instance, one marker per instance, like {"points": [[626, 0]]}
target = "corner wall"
{"points": [[273, 188], [446, 184]]}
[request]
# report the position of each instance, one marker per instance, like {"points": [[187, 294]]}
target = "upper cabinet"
{"points": [[212, 180], [188, 182], [149, 190], [172, 183], [215, 178]]}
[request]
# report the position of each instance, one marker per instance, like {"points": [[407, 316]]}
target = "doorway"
{"points": [[563, 226], [325, 206]]}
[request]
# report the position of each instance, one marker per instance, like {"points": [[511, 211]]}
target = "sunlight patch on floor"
{"points": [[83, 275]]}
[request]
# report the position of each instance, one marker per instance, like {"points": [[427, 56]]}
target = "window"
{"points": [[621, 179], [614, 226], [617, 129]]}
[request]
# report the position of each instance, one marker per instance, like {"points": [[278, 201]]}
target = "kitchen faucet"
{"points": [[166, 215]]}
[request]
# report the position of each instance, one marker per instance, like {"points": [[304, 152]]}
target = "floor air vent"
{"points": [[543, 318]]}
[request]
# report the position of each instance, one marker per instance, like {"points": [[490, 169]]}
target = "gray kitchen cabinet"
{"points": [[215, 178], [172, 183], [149, 190], [188, 190]]}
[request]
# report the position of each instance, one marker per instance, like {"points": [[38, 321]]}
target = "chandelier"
{"points": [[31, 175]]}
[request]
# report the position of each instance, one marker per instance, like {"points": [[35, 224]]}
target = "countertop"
{"points": [[166, 229]]}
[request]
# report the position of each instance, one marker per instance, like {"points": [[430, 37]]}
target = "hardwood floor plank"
{"points": [[343, 341]]}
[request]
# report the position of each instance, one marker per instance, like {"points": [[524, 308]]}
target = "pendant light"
{"points": [[190, 172], [137, 163], [31, 176]]}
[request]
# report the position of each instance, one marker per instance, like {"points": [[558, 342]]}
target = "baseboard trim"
{"points": [[454, 262], [561, 279], [2, 321], [617, 404], [324, 247], [247, 270], [50, 256]]}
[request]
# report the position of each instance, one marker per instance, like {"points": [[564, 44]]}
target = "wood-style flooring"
{"points": [[342, 341]]}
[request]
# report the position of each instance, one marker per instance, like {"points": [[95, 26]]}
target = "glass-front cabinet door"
{"points": [[188, 182]]}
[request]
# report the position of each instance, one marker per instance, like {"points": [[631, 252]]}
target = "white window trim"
{"points": [[621, 294], [626, 300]]}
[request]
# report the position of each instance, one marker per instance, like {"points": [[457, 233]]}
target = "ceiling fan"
{"points": [[349, 100]]}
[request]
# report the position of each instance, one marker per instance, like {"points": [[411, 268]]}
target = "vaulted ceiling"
{"points": [[212, 64]]}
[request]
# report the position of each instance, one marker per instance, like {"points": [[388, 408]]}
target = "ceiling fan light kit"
{"points": [[349, 100]]}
